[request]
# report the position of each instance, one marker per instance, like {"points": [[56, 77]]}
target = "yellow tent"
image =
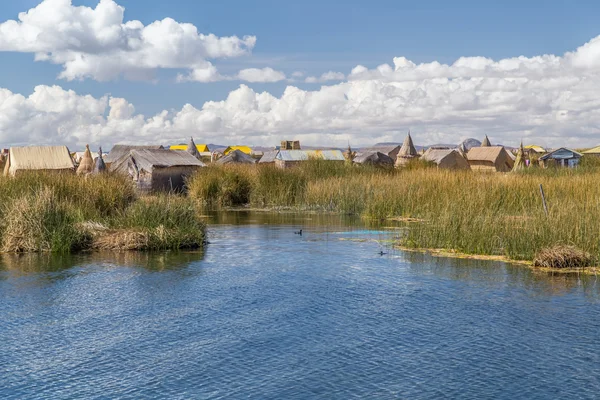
{"points": [[202, 148], [243, 149]]}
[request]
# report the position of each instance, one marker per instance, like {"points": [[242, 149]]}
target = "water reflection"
{"points": [[537, 283], [52, 265]]}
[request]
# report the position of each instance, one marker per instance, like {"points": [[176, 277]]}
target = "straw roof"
{"points": [[148, 159], [268, 157], [236, 157], [595, 150], [373, 158], [537, 149], [491, 153], [46, 158], [446, 158], [122, 150], [86, 165], [408, 148], [486, 142]]}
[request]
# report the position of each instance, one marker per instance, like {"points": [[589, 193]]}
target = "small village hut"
{"points": [[155, 170], [268, 157], [446, 158], [290, 158], [122, 150], [486, 142], [236, 157], [374, 158], [490, 159], [407, 152], [562, 157], [86, 164], [38, 158], [391, 150]]}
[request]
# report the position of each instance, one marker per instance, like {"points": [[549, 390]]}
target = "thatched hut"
{"points": [[86, 164], [236, 157], [446, 158], [268, 157], [122, 150], [157, 170], [391, 150], [374, 158], [486, 142], [490, 159], [38, 158], [407, 152]]}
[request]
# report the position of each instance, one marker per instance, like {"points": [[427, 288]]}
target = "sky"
{"points": [[323, 72]]}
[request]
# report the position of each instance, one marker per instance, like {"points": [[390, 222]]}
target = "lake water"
{"points": [[267, 314]]}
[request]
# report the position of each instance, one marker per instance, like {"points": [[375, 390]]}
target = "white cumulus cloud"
{"points": [[97, 43], [326, 77], [550, 100]]}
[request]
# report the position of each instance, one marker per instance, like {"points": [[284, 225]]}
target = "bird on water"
{"points": [[299, 232]]}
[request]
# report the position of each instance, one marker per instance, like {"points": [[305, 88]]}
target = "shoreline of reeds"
{"points": [[64, 213], [487, 214]]}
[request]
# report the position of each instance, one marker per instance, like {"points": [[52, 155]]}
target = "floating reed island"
{"points": [[462, 211], [63, 213]]}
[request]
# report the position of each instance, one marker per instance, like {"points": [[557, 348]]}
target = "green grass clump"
{"points": [[167, 222], [41, 222], [62, 213]]}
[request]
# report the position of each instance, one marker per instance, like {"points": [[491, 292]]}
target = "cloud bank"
{"points": [[549, 100], [97, 43]]}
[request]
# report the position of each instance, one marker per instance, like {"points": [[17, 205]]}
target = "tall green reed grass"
{"points": [[466, 211]]}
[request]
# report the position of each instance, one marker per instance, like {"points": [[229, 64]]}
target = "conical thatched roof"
{"points": [[407, 152], [192, 149], [486, 142], [520, 160], [99, 165], [408, 148], [86, 165]]}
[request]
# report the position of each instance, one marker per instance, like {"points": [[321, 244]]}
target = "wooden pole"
{"points": [[544, 199]]}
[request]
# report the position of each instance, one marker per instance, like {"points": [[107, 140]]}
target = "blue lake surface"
{"points": [[263, 313]]}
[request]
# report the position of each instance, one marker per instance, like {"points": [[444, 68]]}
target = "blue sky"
{"points": [[548, 100], [320, 35]]}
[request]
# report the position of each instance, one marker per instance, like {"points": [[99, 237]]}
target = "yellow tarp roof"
{"points": [[243, 149], [202, 148]]}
